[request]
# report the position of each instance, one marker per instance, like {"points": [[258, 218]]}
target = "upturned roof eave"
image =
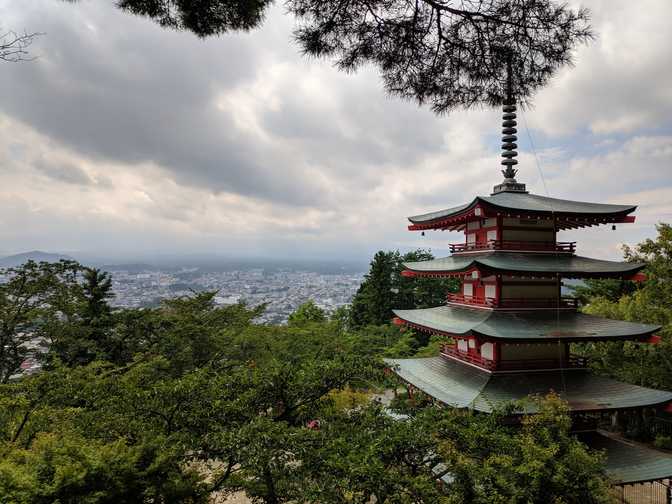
{"points": [[458, 385], [478, 262], [485, 336], [475, 322], [457, 210], [432, 218]]}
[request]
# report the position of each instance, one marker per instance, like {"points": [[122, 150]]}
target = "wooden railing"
{"points": [[451, 350], [535, 246], [574, 361], [515, 303], [456, 297]]}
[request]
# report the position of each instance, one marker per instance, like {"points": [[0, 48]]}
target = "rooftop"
{"points": [[462, 386], [515, 203], [629, 462], [519, 264], [524, 326]]}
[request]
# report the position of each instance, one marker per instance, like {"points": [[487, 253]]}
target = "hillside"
{"points": [[35, 255]]}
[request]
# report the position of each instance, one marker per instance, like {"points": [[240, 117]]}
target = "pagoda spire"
{"points": [[509, 139]]}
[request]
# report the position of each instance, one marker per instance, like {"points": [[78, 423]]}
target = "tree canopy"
{"points": [[384, 288], [190, 400], [648, 302]]}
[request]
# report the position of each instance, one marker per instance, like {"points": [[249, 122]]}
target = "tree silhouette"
{"points": [[97, 289], [14, 46]]}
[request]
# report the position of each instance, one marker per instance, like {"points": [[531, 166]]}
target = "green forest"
{"points": [[191, 402]]}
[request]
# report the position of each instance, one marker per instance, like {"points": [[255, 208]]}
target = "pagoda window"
{"points": [[472, 343], [488, 351], [491, 291], [473, 225], [462, 345], [468, 289], [490, 222], [492, 235], [471, 238]]}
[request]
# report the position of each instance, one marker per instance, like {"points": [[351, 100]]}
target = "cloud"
{"points": [[69, 174], [621, 81], [125, 137]]}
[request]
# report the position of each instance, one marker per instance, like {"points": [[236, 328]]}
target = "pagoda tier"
{"points": [[459, 385], [523, 326], [505, 206], [522, 265], [499, 341]]}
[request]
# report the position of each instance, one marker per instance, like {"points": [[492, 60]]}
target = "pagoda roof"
{"points": [[521, 264], [525, 326], [460, 385], [522, 202], [627, 462]]}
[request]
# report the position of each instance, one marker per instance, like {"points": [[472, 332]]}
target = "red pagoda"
{"points": [[510, 330]]}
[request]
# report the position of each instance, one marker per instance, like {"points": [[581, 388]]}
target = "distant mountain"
{"points": [[35, 255]]}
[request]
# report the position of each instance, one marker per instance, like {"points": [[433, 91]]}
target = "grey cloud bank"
{"points": [[123, 137]]}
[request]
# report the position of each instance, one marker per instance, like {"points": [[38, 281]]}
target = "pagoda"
{"points": [[509, 330]]}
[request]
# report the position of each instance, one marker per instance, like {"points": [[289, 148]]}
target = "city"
{"points": [[281, 290]]}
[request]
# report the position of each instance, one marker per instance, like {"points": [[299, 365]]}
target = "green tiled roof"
{"points": [[628, 462], [463, 386], [450, 383], [524, 325], [566, 265], [526, 202], [583, 390]]}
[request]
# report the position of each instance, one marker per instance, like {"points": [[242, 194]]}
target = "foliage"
{"points": [[368, 455], [306, 313], [41, 298], [663, 442], [69, 468], [648, 365], [537, 462], [195, 399], [97, 289], [384, 288], [190, 399], [610, 289]]}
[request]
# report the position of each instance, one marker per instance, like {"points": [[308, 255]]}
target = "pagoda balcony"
{"points": [[456, 297], [518, 246], [564, 303], [451, 351]]}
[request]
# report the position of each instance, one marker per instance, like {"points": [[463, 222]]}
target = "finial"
{"points": [[509, 123], [509, 138]]}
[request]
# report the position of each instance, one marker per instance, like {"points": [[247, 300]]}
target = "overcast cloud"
{"points": [[123, 138]]}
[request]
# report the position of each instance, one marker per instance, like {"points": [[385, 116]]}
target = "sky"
{"points": [[125, 140]]}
